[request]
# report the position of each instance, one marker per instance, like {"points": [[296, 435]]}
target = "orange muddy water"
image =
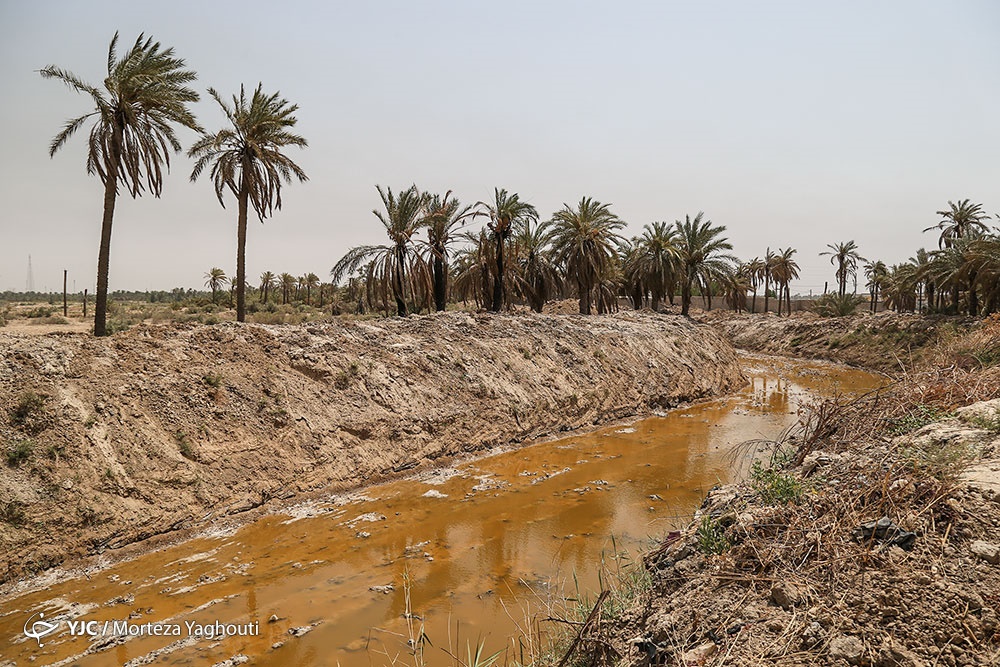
{"points": [[465, 553]]}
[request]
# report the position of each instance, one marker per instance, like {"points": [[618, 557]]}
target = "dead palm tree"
{"points": [[505, 214], [214, 280], [585, 241], [247, 160], [145, 95]]}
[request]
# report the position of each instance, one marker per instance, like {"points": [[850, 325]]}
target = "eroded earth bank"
{"points": [[111, 441]]}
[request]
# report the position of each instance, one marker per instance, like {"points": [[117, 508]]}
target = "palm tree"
{"points": [[925, 284], [536, 276], [701, 253], [656, 261], [393, 264], [736, 286], [876, 273], [959, 221], [443, 217], [310, 281], [845, 257], [784, 270], [754, 271], [214, 280], [247, 159], [584, 241], [765, 275], [287, 285], [133, 134], [474, 267], [267, 282], [506, 213]]}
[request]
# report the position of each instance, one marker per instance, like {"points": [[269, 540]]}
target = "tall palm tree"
{"points": [[784, 270], [145, 95], [395, 264], [443, 218], [845, 257], [214, 280], [505, 214], [585, 241], [310, 281], [656, 261], [267, 282], [701, 250], [247, 159], [765, 275], [288, 282], [959, 221]]}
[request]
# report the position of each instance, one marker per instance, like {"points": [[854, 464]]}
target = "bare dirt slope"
{"points": [[109, 441], [887, 342]]}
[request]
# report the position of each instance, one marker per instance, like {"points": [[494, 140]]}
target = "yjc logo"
{"points": [[40, 628]]}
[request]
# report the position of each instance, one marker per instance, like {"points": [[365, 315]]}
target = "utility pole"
{"points": [[85, 303], [65, 306]]}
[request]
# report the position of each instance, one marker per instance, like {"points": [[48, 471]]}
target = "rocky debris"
{"points": [[848, 648], [386, 589], [699, 655], [301, 630], [164, 427], [238, 659], [801, 584], [986, 551], [884, 531]]}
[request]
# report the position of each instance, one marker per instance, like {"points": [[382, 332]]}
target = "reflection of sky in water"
{"points": [[485, 549]]}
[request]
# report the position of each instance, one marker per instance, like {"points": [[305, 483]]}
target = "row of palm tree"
{"points": [[578, 251], [146, 96], [961, 276], [432, 256]]}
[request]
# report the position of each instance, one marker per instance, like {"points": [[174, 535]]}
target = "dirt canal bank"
{"points": [[462, 553], [162, 428]]}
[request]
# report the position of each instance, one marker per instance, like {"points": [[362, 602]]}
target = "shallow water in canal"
{"points": [[466, 553]]}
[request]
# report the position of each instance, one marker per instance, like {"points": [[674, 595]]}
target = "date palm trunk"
{"points": [[497, 303], [241, 247], [440, 281], [104, 253], [398, 282]]}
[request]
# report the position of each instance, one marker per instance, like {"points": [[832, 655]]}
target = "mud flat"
{"points": [[111, 441]]}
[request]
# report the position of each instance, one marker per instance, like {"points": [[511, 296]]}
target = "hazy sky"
{"points": [[796, 123]]}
